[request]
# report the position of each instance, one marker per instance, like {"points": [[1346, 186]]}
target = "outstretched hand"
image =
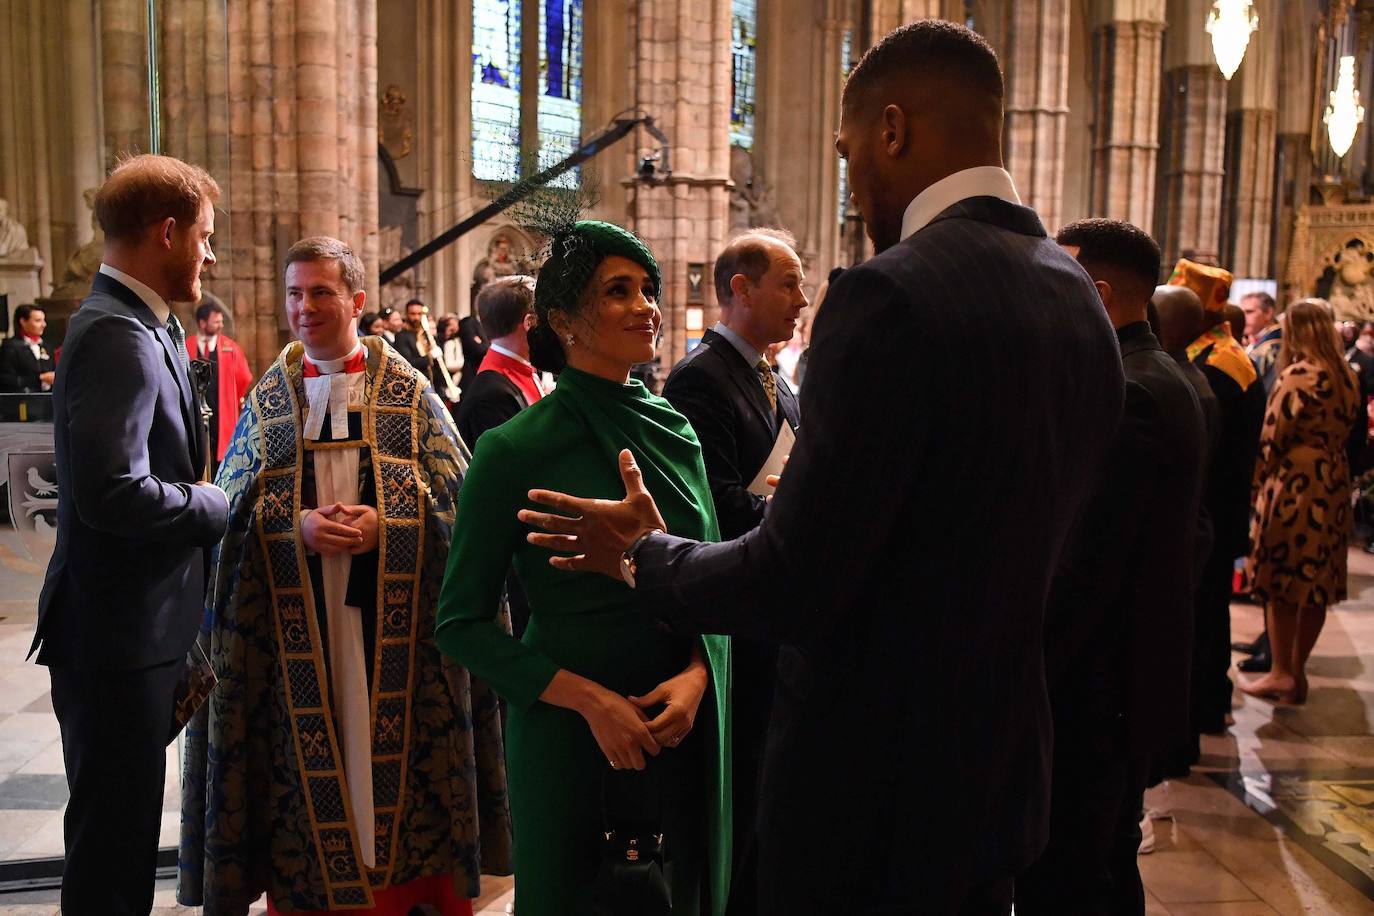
{"points": [[596, 532]]}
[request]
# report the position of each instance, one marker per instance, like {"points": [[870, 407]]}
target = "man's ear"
{"points": [[164, 232], [531, 319], [1105, 291], [358, 298], [739, 287], [894, 129]]}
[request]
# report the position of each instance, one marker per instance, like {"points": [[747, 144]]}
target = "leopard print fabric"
{"points": [[1301, 527]]}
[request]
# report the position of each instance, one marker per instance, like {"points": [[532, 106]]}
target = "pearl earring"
{"points": [[570, 340]]}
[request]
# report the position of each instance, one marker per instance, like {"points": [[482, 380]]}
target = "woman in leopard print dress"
{"points": [[1302, 485]]}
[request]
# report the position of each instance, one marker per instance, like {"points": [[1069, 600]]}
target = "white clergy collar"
{"points": [[330, 393], [331, 366], [141, 290], [981, 181]]}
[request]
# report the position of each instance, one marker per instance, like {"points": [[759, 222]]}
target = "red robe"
{"points": [[235, 378]]}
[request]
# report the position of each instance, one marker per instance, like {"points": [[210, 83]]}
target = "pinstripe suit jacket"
{"points": [[913, 539]]}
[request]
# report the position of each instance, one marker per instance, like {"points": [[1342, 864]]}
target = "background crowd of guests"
{"points": [[411, 520]]}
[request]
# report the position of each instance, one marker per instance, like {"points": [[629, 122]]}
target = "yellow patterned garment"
{"points": [[1225, 354], [1212, 284], [265, 806]]}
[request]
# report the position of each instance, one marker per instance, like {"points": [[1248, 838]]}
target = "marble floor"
{"points": [[1277, 819]]}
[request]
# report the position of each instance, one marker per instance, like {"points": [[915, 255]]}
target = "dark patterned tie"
{"points": [[179, 339], [770, 384]]}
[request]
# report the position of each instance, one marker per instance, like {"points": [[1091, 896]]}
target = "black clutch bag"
{"points": [[635, 877]]}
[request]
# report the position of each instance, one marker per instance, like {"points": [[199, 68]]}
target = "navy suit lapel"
{"points": [[745, 377], [104, 283]]}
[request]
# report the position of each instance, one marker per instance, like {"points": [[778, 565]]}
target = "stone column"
{"points": [[1034, 46], [50, 133], [302, 87], [682, 76], [1127, 44], [797, 120], [443, 144], [889, 14], [1297, 49], [1247, 214], [1192, 139], [124, 77]]}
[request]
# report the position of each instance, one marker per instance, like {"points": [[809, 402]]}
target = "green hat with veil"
{"points": [[575, 251], [574, 254]]}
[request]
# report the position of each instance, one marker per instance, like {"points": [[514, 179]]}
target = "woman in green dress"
{"points": [[595, 684]]}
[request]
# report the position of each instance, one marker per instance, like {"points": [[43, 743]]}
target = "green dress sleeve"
{"points": [[486, 534]]}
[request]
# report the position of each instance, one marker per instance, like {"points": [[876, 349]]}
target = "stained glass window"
{"points": [[846, 63], [560, 84], [495, 89], [743, 22]]}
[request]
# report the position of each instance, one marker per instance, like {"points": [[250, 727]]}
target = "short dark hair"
{"points": [[924, 49], [323, 248], [365, 321], [206, 309], [1114, 245], [1266, 301], [503, 304], [746, 253], [410, 302], [22, 313]]}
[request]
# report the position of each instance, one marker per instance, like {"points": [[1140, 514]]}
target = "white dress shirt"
{"points": [[982, 181], [206, 345]]}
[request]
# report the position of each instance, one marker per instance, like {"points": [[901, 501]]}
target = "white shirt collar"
{"points": [[207, 343], [141, 290], [982, 181], [332, 366], [512, 354]]}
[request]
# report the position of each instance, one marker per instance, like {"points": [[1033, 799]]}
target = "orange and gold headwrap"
{"points": [[1212, 284]]}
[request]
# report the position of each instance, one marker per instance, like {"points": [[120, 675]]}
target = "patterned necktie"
{"points": [[770, 384], [179, 339]]}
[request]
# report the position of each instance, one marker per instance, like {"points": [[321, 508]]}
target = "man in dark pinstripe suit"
{"points": [[914, 534]]}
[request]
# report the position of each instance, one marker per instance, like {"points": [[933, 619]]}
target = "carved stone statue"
{"points": [[14, 239], [749, 201], [499, 262], [1352, 293], [393, 123], [82, 266]]}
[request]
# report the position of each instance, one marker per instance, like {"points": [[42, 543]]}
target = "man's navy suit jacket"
{"points": [[963, 390], [722, 396], [125, 588]]}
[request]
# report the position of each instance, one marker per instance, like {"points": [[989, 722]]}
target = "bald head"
{"points": [[1180, 316]]}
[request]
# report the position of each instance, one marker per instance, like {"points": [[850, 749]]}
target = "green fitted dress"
{"points": [[592, 626]]}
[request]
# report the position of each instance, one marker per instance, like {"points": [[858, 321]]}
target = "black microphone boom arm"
{"points": [[521, 189]]}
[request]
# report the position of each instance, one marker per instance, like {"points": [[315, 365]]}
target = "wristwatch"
{"points": [[627, 559]]}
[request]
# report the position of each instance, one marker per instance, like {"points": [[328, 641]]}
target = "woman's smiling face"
{"points": [[618, 324]]}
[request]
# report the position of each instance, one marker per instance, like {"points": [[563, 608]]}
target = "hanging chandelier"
{"points": [[1344, 114], [1230, 24]]}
